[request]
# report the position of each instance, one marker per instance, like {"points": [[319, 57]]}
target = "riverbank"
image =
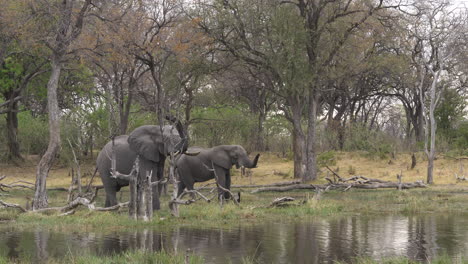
{"points": [[255, 208], [341, 209], [447, 197]]}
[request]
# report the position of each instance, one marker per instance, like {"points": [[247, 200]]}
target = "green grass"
{"points": [[443, 259], [139, 256], [162, 257], [254, 208]]}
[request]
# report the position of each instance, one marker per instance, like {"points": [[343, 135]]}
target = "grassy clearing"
{"points": [[272, 168], [140, 256]]}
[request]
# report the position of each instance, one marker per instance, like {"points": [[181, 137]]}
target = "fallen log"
{"points": [[360, 183], [16, 184], [286, 188], [266, 185], [282, 201], [378, 185], [63, 189], [205, 187], [10, 205], [459, 179]]}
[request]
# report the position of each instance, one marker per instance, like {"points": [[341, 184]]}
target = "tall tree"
{"points": [[295, 42], [16, 72], [437, 29], [62, 23]]}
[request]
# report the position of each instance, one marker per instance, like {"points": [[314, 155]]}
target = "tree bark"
{"points": [[433, 127], [40, 195], [12, 132], [311, 164], [298, 146]]}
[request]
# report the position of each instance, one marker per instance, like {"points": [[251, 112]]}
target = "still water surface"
{"points": [[315, 241]]}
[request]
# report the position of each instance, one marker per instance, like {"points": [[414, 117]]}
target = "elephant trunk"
{"points": [[252, 164], [182, 133]]}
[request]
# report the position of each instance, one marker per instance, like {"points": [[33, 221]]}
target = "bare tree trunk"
{"points": [[433, 128], [40, 195]]}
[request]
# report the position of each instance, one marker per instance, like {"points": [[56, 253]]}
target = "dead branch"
{"points": [[16, 184], [461, 178], [76, 179], [358, 182], [68, 213], [11, 205], [455, 158], [63, 189], [267, 185], [334, 173], [282, 201], [111, 208], [286, 188], [84, 202]]}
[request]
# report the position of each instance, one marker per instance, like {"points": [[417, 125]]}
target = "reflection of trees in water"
{"points": [[306, 244], [319, 241], [13, 245], [430, 233], [41, 238]]}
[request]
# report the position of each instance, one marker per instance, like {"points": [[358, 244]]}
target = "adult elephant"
{"points": [[152, 144], [219, 159]]}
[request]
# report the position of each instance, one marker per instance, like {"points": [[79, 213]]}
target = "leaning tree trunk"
{"points": [[40, 195]]}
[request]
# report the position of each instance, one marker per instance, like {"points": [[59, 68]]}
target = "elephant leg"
{"points": [[111, 195], [160, 174], [222, 180], [228, 184], [180, 188]]}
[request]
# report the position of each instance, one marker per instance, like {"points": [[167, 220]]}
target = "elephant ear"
{"points": [[146, 141], [223, 157]]}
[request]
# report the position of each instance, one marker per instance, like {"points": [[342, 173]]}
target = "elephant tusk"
{"points": [[191, 153]]}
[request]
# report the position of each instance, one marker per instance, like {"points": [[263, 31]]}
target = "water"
{"points": [[315, 241]]}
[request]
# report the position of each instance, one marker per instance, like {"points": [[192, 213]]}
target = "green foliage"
{"points": [[220, 125], [450, 111], [10, 72], [451, 126], [375, 143], [289, 42], [460, 137], [278, 135], [327, 158], [33, 133]]}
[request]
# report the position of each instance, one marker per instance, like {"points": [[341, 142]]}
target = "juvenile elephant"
{"points": [[152, 143], [192, 169]]}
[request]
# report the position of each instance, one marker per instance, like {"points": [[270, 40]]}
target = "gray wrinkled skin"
{"points": [[151, 145], [192, 169]]}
